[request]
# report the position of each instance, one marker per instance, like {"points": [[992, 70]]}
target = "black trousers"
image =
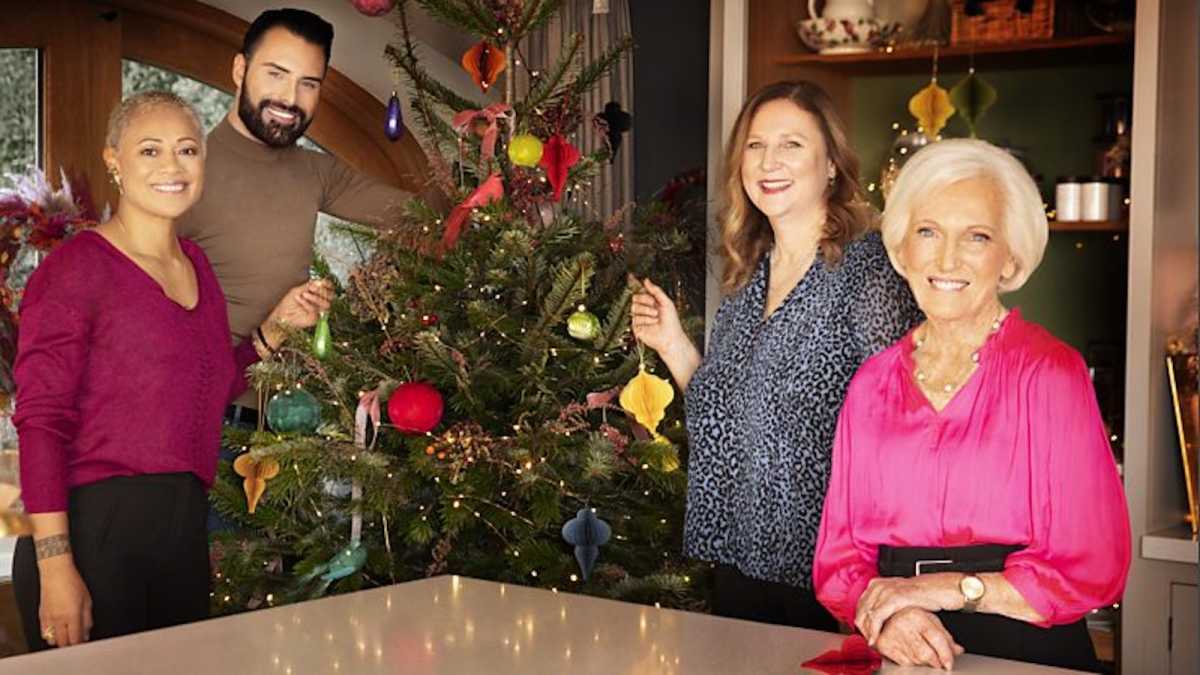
{"points": [[1063, 646], [738, 596], [140, 544]]}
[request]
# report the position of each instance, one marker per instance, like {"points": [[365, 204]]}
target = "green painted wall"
{"points": [[1052, 115]]}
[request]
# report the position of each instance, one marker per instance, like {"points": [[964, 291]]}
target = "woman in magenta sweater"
{"points": [[123, 370], [974, 503]]}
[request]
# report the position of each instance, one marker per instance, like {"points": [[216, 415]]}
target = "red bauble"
{"points": [[428, 320], [415, 407], [373, 7]]}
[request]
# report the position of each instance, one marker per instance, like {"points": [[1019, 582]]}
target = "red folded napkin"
{"points": [[854, 658]]}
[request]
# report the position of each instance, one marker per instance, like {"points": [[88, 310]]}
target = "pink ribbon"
{"points": [[492, 114], [368, 408], [488, 191]]}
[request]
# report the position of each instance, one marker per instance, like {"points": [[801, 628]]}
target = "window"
{"points": [[19, 128]]}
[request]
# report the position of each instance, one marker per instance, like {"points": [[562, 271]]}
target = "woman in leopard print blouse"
{"points": [[808, 296]]}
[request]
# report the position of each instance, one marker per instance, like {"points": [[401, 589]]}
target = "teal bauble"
{"points": [[293, 411]]}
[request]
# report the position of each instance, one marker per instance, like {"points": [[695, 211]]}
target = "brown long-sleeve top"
{"points": [[256, 218]]}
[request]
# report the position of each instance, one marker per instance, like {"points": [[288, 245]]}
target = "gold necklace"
{"points": [[949, 387]]}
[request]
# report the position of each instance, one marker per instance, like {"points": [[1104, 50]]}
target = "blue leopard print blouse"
{"points": [[763, 405]]}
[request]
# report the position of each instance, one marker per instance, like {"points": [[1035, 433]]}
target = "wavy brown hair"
{"points": [[745, 233]]}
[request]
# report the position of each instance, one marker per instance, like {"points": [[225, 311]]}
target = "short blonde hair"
{"points": [[937, 165], [126, 110]]}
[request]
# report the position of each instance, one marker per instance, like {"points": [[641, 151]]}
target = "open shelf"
{"points": [[1089, 226], [1175, 544], [1030, 53]]}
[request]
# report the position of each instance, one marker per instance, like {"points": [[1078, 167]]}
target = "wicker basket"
{"points": [[1001, 22]]}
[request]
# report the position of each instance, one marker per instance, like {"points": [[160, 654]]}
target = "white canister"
{"points": [[1068, 198], [1099, 195]]}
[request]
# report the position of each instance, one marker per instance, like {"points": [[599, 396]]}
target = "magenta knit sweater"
{"points": [[116, 379]]}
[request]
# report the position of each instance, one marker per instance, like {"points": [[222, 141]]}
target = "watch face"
{"points": [[972, 587]]}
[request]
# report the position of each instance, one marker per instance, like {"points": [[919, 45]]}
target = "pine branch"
{"points": [[537, 14], [592, 72], [616, 324], [570, 277], [427, 84], [464, 15], [436, 355], [545, 87]]}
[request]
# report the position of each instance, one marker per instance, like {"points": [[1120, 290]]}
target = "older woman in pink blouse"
{"points": [[973, 503]]}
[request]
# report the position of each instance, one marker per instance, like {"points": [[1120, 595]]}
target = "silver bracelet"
{"points": [[54, 545]]}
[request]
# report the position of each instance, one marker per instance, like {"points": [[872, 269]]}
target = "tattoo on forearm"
{"points": [[55, 544]]}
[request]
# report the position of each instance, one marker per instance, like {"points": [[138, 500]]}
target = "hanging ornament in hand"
{"points": [[322, 341], [558, 156], [256, 473], [587, 534], [646, 397], [393, 123], [611, 124], [293, 411], [583, 325], [525, 150], [484, 62], [373, 7], [972, 96], [415, 407]]}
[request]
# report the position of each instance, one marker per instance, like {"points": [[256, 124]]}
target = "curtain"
{"points": [[613, 187]]}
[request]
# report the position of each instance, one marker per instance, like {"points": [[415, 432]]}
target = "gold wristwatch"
{"points": [[972, 589]]}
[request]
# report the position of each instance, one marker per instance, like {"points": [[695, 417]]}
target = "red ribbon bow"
{"points": [[463, 121], [488, 191]]}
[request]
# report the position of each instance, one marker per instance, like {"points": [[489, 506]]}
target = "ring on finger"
{"points": [[48, 633]]}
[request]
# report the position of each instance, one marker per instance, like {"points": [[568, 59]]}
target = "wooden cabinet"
{"points": [[1185, 630]]}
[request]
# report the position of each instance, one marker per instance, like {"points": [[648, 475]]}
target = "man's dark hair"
{"points": [[299, 22]]}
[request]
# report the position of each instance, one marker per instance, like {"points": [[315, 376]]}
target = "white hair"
{"points": [[937, 165]]}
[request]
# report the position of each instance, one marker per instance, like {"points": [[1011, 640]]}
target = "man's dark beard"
{"points": [[272, 133]]}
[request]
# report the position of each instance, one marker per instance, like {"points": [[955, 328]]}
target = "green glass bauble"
{"points": [[293, 410], [322, 340], [583, 325]]}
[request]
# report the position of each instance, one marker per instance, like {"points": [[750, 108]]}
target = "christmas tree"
{"points": [[475, 403]]}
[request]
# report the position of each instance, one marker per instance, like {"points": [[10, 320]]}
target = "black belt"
{"points": [[241, 415], [1064, 646], [911, 561]]}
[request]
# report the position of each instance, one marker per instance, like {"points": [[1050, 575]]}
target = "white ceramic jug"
{"points": [[852, 10], [907, 13]]}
